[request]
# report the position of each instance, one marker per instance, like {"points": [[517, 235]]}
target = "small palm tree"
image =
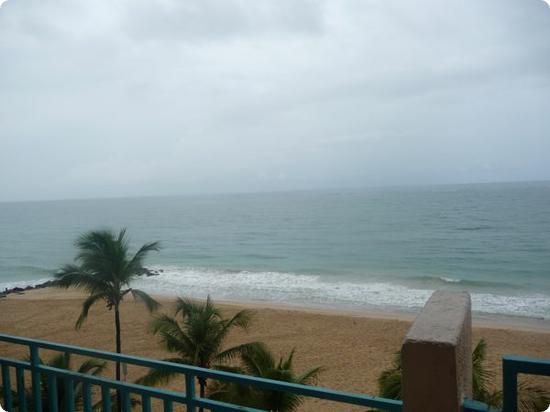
{"points": [[530, 397], [63, 361], [482, 377], [260, 362], [197, 339], [389, 381], [105, 269]]}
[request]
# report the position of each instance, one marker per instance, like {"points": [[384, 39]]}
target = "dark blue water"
{"points": [[376, 248]]}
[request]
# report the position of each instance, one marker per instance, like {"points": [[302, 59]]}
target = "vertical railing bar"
{"points": [[69, 395], [509, 387], [6, 384], [190, 392], [52, 393], [168, 405], [87, 396], [35, 378], [106, 397], [21, 396], [126, 401], [146, 403]]}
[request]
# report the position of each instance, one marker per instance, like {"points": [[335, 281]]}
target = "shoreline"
{"points": [[484, 312], [26, 286], [492, 321]]}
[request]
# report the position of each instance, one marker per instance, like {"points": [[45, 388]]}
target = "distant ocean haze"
{"points": [[365, 248]]}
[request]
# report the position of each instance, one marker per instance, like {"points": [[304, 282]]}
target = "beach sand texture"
{"points": [[353, 348]]}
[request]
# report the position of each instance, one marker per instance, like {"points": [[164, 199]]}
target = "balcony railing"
{"points": [[15, 394]]}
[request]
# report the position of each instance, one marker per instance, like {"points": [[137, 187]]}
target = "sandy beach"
{"points": [[353, 347]]}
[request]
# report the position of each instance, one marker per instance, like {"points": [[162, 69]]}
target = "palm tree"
{"points": [[62, 361], [197, 339], [104, 268], [530, 397], [261, 362], [482, 377]]}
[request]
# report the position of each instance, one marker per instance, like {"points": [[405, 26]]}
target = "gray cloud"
{"points": [[218, 20], [157, 97]]}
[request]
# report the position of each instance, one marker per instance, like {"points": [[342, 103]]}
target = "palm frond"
{"points": [[92, 367], [227, 368], [134, 402], [310, 377], [60, 361], [73, 276], [237, 351], [88, 303], [288, 362], [243, 395], [188, 307], [157, 377], [480, 375], [150, 303], [260, 362], [532, 397], [241, 319], [136, 262], [173, 338], [100, 252]]}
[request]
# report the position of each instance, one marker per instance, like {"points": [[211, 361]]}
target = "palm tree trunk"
{"points": [[118, 350], [202, 389]]}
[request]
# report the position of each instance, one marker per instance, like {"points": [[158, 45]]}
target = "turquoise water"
{"points": [[374, 249]]}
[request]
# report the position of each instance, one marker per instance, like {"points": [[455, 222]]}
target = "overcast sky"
{"points": [[145, 97]]}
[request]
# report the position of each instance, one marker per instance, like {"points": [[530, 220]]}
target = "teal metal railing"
{"points": [[512, 366], [15, 394], [470, 405]]}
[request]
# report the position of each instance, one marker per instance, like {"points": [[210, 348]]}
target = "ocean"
{"points": [[364, 249]]}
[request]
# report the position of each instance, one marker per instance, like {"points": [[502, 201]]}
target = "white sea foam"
{"points": [[315, 290], [449, 280]]}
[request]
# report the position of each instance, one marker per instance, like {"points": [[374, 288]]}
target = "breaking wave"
{"points": [[318, 291]]}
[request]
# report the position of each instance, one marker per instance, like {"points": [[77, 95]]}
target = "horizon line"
{"points": [[258, 192]]}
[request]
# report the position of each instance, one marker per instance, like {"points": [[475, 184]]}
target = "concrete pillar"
{"points": [[437, 355]]}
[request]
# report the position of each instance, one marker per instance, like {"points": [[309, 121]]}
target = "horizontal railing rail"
{"points": [[126, 389], [470, 405]]}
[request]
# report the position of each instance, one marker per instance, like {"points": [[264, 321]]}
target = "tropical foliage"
{"points": [[260, 362], [196, 334], [530, 397], [389, 381]]}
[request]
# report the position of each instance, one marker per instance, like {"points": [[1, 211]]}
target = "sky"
{"points": [[156, 97]]}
